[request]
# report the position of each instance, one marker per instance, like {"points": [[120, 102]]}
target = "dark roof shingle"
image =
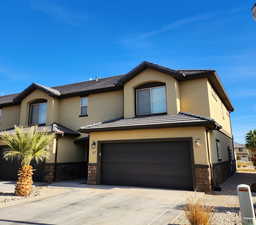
{"points": [[178, 120], [55, 128], [117, 82]]}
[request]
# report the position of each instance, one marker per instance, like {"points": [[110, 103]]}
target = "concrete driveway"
{"points": [[108, 205]]}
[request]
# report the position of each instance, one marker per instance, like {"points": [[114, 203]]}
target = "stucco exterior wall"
{"points": [[52, 107], [218, 111], [10, 117], [148, 76], [194, 97], [225, 143], [200, 151], [70, 152], [52, 151], [101, 107]]}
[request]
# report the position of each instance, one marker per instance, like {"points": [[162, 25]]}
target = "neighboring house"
{"points": [[242, 153], [153, 127]]}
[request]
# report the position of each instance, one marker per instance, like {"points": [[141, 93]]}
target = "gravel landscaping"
{"points": [[7, 197], [225, 203]]}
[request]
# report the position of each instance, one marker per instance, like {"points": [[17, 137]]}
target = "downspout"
{"points": [[209, 158], [233, 145], [56, 159]]}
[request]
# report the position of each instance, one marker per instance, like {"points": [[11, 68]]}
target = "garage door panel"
{"points": [[154, 164]]}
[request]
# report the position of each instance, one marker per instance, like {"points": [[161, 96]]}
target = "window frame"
{"points": [[39, 101], [1, 113], [218, 150], [150, 86], [81, 114]]}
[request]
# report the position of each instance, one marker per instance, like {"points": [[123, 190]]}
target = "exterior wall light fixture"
{"points": [[197, 142], [93, 145]]}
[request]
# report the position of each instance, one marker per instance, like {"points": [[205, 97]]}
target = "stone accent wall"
{"points": [[49, 173], [92, 173], [71, 171], [203, 178], [222, 171]]}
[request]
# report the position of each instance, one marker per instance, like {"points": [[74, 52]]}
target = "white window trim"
{"points": [[150, 88], [83, 105]]}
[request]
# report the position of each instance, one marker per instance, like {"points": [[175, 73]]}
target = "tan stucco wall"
{"points": [[101, 107], [52, 151], [68, 151], [10, 117], [200, 151], [218, 111], [194, 97], [147, 76], [52, 107], [225, 142]]}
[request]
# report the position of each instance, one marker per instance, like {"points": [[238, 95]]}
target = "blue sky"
{"points": [[55, 42]]}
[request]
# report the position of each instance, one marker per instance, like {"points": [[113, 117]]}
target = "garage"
{"points": [[148, 163]]}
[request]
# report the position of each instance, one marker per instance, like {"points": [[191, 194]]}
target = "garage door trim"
{"points": [[188, 139]]}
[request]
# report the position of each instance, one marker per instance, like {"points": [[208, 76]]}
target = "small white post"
{"points": [[246, 204]]}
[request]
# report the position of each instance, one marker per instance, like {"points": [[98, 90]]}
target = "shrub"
{"points": [[197, 213]]}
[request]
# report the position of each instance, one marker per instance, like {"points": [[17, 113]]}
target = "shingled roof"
{"points": [[178, 120], [117, 82], [53, 128]]}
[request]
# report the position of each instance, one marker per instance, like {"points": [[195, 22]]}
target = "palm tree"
{"points": [[251, 139], [26, 145]]}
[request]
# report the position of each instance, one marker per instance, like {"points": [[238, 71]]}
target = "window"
{"points": [[150, 100], [218, 147], [1, 114], [84, 106], [38, 113]]}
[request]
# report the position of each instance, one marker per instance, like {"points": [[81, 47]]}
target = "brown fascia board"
{"points": [[211, 125], [148, 65], [93, 91], [32, 87], [180, 76]]}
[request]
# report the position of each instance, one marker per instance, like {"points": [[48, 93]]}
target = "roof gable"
{"points": [[34, 86], [117, 82], [147, 65]]}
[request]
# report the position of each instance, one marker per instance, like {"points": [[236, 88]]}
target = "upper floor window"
{"points": [[150, 100], [84, 106], [38, 113], [1, 114]]}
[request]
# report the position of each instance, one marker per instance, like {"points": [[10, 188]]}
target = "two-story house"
{"points": [[152, 127]]}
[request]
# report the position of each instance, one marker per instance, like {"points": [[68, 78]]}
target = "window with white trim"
{"points": [[151, 100], [84, 106]]}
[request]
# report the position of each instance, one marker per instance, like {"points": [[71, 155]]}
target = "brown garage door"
{"points": [[165, 164]]}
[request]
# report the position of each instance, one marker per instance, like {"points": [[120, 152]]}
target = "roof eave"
{"points": [[216, 83], [148, 65], [209, 124], [30, 89]]}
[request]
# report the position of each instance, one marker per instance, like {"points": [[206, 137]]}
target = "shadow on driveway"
{"points": [[23, 222]]}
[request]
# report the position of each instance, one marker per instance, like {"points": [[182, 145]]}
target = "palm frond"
{"points": [[27, 145], [251, 139]]}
